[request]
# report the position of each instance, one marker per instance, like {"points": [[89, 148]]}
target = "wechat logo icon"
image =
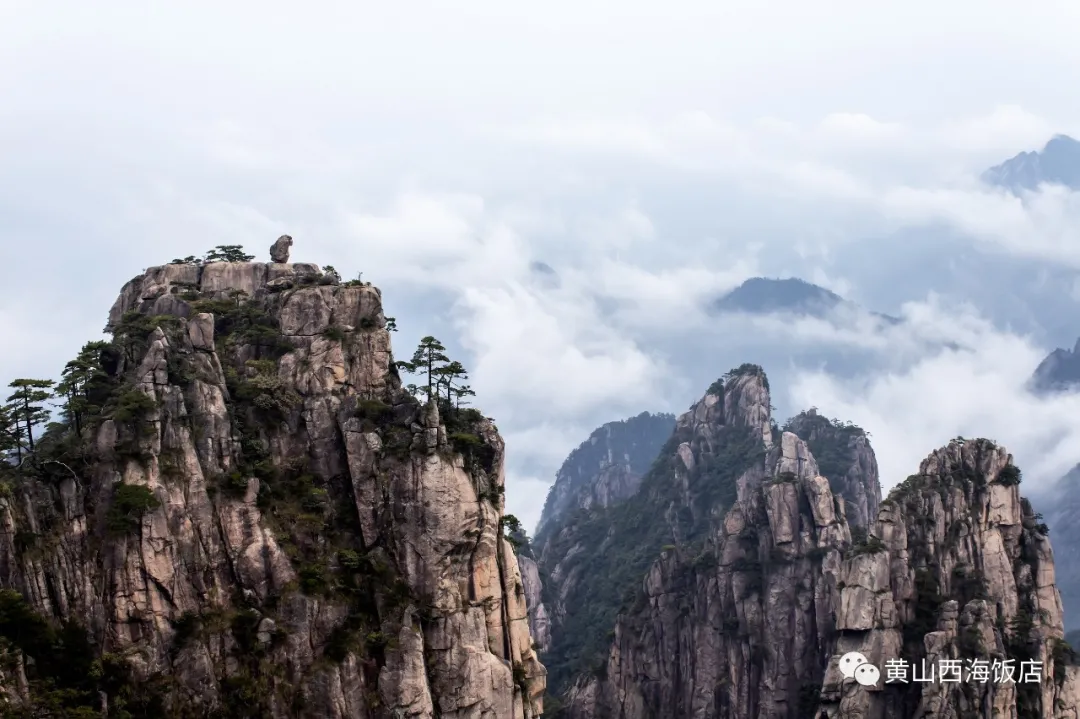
{"points": [[854, 665]]}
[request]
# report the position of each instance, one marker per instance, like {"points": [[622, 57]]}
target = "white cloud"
{"points": [[552, 349], [974, 391], [1006, 129], [860, 129], [442, 149]]}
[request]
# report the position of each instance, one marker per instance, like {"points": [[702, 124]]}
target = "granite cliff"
{"points": [[592, 560], [956, 568], [244, 514], [734, 580], [1062, 517], [1058, 373], [607, 467], [845, 458]]}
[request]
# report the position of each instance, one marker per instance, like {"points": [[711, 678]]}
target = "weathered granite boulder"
{"points": [[279, 251]]}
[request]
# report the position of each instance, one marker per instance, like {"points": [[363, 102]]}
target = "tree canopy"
{"points": [[444, 377], [221, 253], [26, 408], [228, 253]]}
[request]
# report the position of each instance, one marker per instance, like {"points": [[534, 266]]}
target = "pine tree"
{"points": [[9, 433], [446, 376], [228, 253], [428, 359], [27, 404], [460, 393], [442, 374], [74, 387]]}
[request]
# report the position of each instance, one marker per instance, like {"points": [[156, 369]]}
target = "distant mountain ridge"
{"points": [[765, 295], [1057, 163], [1059, 372], [608, 466]]}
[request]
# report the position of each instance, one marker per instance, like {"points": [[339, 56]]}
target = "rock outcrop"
{"points": [[592, 558], [844, 455], [607, 467], [279, 251], [1062, 512], [955, 571], [253, 519], [539, 623]]}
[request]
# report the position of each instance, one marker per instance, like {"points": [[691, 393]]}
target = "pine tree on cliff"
{"points": [[9, 432], [77, 376], [447, 378], [228, 253], [429, 359], [27, 406]]}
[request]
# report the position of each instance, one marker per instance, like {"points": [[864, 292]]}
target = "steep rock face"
{"points": [[745, 403], [846, 459], [956, 568], [593, 559], [1062, 510], [262, 523], [539, 623], [742, 628], [607, 467]]}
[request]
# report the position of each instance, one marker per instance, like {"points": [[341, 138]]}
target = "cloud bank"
{"points": [[444, 151]]}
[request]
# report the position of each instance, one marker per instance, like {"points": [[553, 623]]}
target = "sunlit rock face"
{"points": [[310, 540]]}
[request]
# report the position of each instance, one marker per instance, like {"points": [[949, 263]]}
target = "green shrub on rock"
{"points": [[130, 502]]}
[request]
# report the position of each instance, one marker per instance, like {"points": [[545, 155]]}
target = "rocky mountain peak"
{"points": [[846, 459], [1057, 163], [245, 514], [790, 296], [739, 399], [607, 467], [1058, 372], [958, 567]]}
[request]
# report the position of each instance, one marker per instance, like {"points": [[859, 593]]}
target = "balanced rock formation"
{"points": [[251, 518], [279, 251]]}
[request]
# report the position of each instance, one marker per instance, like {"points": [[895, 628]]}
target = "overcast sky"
{"points": [[653, 154]]}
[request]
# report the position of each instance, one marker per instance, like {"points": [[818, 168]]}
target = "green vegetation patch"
{"points": [[621, 542], [130, 502]]}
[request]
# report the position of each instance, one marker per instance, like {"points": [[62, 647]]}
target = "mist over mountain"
{"points": [[279, 489], [763, 295], [1057, 163], [751, 557], [1059, 372]]}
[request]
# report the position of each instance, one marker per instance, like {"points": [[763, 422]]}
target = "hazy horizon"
{"points": [[653, 158]]}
